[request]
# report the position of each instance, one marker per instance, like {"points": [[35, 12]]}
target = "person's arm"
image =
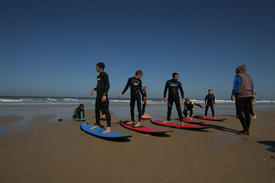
{"points": [[253, 89], [181, 90], [141, 91], [107, 84], [165, 89], [127, 86], [214, 102], [83, 112], [205, 99], [198, 105], [237, 84]]}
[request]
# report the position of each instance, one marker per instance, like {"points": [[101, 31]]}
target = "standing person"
{"points": [[210, 102], [243, 89], [135, 85], [102, 101], [173, 85], [189, 106], [253, 110]]}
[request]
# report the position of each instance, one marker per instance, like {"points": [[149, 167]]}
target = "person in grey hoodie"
{"points": [[243, 89]]}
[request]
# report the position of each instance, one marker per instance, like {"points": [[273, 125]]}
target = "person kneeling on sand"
{"points": [[79, 112], [189, 107]]}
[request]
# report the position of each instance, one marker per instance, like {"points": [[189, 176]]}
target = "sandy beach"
{"points": [[54, 151]]}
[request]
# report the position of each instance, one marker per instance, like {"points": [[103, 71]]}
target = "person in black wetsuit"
{"points": [[79, 112], [102, 101], [173, 86], [210, 102], [136, 90], [189, 106]]}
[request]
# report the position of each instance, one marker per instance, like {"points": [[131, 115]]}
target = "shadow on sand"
{"points": [[269, 143]]}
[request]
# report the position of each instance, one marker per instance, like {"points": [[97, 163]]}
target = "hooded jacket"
{"points": [[243, 83]]}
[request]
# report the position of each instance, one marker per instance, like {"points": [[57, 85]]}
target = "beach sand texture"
{"points": [[57, 152]]}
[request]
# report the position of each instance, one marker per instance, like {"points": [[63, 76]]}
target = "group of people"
{"points": [[242, 93]]}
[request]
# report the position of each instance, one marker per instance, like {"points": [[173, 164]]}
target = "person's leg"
{"points": [[185, 113], [169, 109], [247, 112], [206, 109], [241, 116], [139, 108], [212, 110], [105, 109], [132, 106], [237, 108], [179, 109], [143, 108], [191, 113], [97, 113]]}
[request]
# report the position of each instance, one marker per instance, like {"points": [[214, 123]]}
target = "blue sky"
{"points": [[50, 48]]}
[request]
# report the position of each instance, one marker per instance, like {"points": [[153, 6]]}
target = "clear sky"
{"points": [[51, 47]]}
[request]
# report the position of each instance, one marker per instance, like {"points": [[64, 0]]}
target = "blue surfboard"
{"points": [[99, 132], [1, 131], [79, 119]]}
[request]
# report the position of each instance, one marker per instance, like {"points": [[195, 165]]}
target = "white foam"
{"points": [[70, 100], [11, 100]]}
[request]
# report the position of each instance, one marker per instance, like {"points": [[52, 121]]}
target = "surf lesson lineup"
{"points": [[175, 92]]}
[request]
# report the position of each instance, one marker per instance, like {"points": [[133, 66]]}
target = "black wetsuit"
{"points": [[102, 89], [210, 101], [78, 113], [189, 107], [136, 90], [144, 104], [173, 96]]}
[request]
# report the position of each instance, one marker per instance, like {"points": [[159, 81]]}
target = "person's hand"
{"points": [[182, 100], [144, 99], [119, 95], [93, 90], [232, 97], [165, 100], [104, 98], [214, 105]]}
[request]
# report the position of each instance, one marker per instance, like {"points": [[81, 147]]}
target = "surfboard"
{"points": [[1, 131], [192, 127], [209, 118], [187, 120], [143, 129], [79, 119], [86, 127]]}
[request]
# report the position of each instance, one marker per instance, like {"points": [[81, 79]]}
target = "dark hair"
{"points": [[210, 90], [81, 105], [138, 72], [101, 65], [174, 74]]}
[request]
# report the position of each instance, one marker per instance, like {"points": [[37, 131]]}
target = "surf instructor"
{"points": [[102, 101], [173, 86]]}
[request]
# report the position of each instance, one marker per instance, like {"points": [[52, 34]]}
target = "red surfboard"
{"points": [[187, 120], [191, 127], [143, 129], [209, 118]]}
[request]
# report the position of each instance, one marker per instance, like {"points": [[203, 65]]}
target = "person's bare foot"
{"points": [[182, 123], [108, 130], [138, 124], [94, 127], [166, 122], [254, 117], [130, 123], [191, 118]]}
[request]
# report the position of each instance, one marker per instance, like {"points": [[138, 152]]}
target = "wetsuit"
{"points": [[79, 112], [144, 104], [102, 89], [173, 96], [210, 101], [190, 107], [136, 90]]}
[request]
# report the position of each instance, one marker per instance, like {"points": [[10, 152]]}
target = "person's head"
{"points": [[187, 101], [240, 69], [139, 74], [81, 106], [145, 88], [100, 67], [175, 76], [210, 91]]}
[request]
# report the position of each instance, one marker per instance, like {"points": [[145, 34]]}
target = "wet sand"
{"points": [[53, 151]]}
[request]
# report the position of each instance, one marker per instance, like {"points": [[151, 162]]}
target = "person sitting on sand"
{"points": [[135, 85], [79, 112], [210, 102], [189, 106], [144, 115], [102, 101], [173, 85]]}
